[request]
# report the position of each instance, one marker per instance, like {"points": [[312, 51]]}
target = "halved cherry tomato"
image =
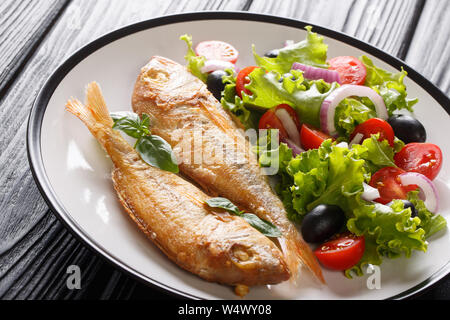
{"points": [[312, 138], [217, 50], [424, 158], [342, 252], [270, 121], [350, 69], [242, 80], [388, 183], [373, 126], [292, 113]]}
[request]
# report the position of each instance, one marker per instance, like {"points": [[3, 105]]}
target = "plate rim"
{"points": [[33, 140]]}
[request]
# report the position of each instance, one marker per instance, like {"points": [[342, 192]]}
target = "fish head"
{"points": [[164, 84]]}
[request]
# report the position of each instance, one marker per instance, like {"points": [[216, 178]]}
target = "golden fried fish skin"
{"points": [[180, 107], [171, 211]]}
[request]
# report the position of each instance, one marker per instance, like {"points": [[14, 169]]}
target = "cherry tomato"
{"points": [[342, 252], [292, 113], [388, 183], [350, 69], [424, 158], [373, 126], [270, 121], [312, 138], [242, 80], [217, 50]]}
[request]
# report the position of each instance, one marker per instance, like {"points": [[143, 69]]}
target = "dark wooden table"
{"points": [[37, 35]]}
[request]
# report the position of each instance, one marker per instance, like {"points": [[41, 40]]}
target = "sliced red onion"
{"points": [[213, 65], [295, 148], [289, 125], [328, 109], [313, 73], [288, 43], [370, 193], [356, 139], [426, 186]]}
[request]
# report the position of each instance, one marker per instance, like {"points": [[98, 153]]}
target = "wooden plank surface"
{"points": [[429, 52], [35, 249], [22, 26]]}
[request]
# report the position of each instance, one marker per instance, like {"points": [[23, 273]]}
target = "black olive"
{"points": [[322, 222], [287, 75], [408, 204], [272, 53], [407, 128], [215, 84]]}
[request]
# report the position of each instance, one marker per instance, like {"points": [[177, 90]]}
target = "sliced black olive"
{"points": [[272, 53], [407, 128], [408, 204], [215, 84], [322, 222]]}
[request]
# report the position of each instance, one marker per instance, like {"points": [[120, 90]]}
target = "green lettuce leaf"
{"points": [[349, 113], [388, 231], [377, 154], [311, 51], [335, 175], [429, 222], [305, 97], [195, 63], [389, 85], [234, 104]]}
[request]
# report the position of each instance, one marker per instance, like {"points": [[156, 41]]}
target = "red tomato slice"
{"points": [[312, 138], [374, 126], [388, 183], [270, 121], [292, 113], [217, 50], [424, 158], [341, 253], [350, 69], [242, 80]]}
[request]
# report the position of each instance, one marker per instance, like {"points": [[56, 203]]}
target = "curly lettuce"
{"points": [[389, 85], [233, 103], [334, 175], [305, 97], [429, 222], [311, 51], [194, 62]]}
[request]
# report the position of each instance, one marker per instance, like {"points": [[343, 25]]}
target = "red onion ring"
{"points": [[426, 185], [328, 109], [313, 73]]}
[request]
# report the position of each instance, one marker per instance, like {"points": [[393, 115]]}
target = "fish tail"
{"points": [[96, 103], [94, 113], [297, 252]]}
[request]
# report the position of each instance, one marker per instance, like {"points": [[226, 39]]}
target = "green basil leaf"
{"points": [[263, 226], [223, 203], [157, 152], [128, 122], [145, 123]]}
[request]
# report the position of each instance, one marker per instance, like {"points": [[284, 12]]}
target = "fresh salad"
{"points": [[355, 170]]}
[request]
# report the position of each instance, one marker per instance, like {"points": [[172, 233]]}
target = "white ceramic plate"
{"points": [[73, 172]]}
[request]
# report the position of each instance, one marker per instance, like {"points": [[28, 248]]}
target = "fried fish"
{"points": [[182, 109], [212, 244]]}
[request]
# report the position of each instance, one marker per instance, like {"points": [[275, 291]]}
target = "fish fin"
{"points": [[296, 251], [81, 111], [97, 105], [94, 111]]}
